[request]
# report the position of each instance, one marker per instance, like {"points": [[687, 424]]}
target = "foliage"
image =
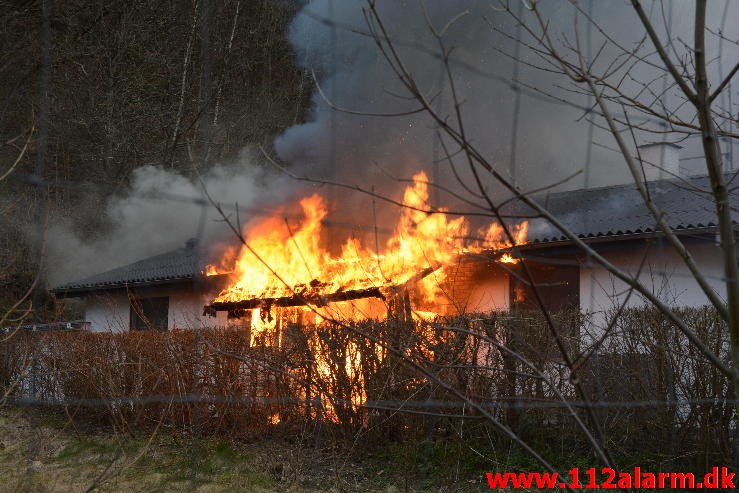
{"points": [[643, 382], [132, 84]]}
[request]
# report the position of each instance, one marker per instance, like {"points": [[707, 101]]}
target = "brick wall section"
{"points": [[464, 276]]}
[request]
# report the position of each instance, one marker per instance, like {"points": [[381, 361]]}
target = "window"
{"points": [[558, 285], [557, 282], [150, 313]]}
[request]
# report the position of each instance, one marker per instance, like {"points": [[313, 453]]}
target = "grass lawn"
{"points": [[40, 452]]}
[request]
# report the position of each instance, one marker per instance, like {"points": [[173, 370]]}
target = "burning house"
{"points": [[431, 265], [284, 268]]}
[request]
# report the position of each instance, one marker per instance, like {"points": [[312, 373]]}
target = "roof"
{"points": [[620, 211], [606, 212], [178, 265]]}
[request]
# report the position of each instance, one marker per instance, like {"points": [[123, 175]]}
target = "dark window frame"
{"points": [[149, 313], [558, 284]]}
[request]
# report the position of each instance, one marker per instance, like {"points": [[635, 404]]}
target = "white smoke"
{"points": [[159, 212]]}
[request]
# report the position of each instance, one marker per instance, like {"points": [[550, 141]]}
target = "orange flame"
{"points": [[225, 266], [507, 258], [282, 258]]}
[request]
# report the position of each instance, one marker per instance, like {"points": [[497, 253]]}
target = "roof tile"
{"points": [[620, 210], [179, 264]]}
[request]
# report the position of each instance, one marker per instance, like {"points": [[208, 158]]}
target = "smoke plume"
{"points": [[547, 139], [159, 212]]}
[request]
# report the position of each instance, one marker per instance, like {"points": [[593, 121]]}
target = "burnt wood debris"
{"points": [[312, 294]]}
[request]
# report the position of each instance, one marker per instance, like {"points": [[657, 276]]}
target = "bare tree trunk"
{"points": [[720, 193]]}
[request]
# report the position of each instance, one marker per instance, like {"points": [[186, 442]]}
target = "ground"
{"points": [[42, 452]]}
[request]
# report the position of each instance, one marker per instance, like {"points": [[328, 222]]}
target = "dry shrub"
{"points": [[670, 399], [213, 381]]}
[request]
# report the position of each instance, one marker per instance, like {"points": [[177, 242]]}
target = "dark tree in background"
{"points": [[133, 83]]}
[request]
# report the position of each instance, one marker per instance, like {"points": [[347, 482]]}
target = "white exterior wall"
{"points": [[111, 311], [475, 286], [664, 273], [107, 312], [491, 294], [186, 311]]}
